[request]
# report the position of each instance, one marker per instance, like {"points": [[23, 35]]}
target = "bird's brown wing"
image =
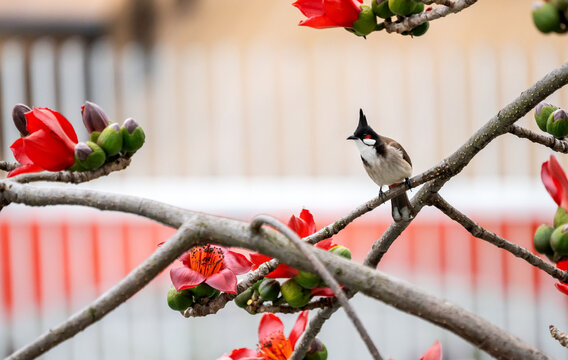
{"points": [[391, 142]]}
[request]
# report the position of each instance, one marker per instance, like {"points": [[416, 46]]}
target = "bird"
{"points": [[386, 163]]}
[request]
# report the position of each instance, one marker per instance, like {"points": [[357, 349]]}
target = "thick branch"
{"points": [[482, 233], [550, 141], [412, 21], [186, 237]]}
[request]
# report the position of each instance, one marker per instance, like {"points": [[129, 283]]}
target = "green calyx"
{"points": [[541, 114], [242, 300], [382, 10], [319, 354], [269, 289], [179, 300], [93, 161], [132, 141], [559, 240], [560, 217], [341, 251], [110, 140], [420, 29], [307, 280], [366, 23], [541, 239], [546, 17], [295, 295], [557, 124], [203, 291], [402, 7]]}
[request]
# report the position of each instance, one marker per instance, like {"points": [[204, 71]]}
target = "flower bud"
{"points": [[559, 240], [317, 351], [418, 8], [242, 300], [420, 29], [366, 23], [110, 139], [341, 251], [541, 114], [133, 136], [557, 123], [19, 117], [89, 156], [269, 289], [382, 10], [560, 217], [295, 295], [545, 17], [561, 5], [307, 280], [179, 300], [203, 291], [402, 7], [94, 117], [541, 239]]}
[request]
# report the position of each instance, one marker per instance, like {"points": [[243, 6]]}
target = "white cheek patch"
{"points": [[369, 142]]}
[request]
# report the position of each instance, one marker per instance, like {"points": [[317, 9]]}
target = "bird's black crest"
{"points": [[362, 119]]}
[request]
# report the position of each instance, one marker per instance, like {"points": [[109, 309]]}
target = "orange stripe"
{"points": [[36, 263], [95, 246], [126, 253], [66, 259], [6, 266]]}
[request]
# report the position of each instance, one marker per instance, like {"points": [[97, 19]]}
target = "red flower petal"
{"points": [[24, 169], [555, 181], [322, 291], [325, 244], [269, 324], [342, 12], [18, 150], [225, 280], [562, 287], [310, 8], [298, 328], [318, 22], [433, 353], [258, 259], [46, 150], [185, 278], [241, 354], [562, 265], [47, 119], [283, 271], [237, 263], [307, 216]]}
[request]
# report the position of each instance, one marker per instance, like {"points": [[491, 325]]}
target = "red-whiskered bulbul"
{"points": [[386, 162]]}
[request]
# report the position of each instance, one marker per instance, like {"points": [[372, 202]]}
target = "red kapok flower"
{"points": [[562, 287], [323, 14], [272, 343], [555, 181], [433, 353], [303, 226], [49, 146], [214, 265]]}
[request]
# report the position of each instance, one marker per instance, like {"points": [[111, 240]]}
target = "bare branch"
{"points": [[183, 240], [286, 309], [559, 145], [558, 335], [481, 233], [410, 22], [8, 166], [255, 225]]}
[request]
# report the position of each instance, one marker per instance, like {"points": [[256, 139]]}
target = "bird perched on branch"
{"points": [[386, 163]]}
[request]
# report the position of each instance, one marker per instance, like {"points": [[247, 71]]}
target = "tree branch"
{"points": [[8, 166], [561, 337], [559, 145], [483, 234]]}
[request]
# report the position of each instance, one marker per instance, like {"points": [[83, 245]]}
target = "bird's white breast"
{"points": [[384, 170]]}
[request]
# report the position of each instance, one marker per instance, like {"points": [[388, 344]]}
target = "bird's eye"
{"points": [[367, 136]]}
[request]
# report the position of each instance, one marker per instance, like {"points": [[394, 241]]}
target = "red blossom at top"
{"points": [[50, 144], [562, 287], [272, 343], [555, 181], [323, 14], [214, 265]]}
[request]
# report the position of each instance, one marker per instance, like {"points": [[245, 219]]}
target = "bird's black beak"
{"points": [[352, 137]]}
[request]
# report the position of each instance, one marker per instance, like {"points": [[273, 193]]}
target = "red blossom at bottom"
{"points": [[562, 287]]}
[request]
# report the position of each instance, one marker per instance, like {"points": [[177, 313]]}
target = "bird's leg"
{"points": [[381, 193], [407, 183]]}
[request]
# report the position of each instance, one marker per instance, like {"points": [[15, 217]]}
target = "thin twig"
{"points": [[412, 21], [481, 233], [559, 145], [8, 166], [286, 309], [561, 337], [75, 177], [255, 225], [183, 240]]}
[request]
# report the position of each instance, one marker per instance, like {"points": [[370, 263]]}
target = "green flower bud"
{"points": [[242, 300], [366, 23], [545, 17], [133, 136], [402, 7], [317, 351], [295, 295], [307, 280], [560, 217], [110, 139], [541, 113], [341, 251], [557, 123], [179, 300], [418, 7], [19, 117], [382, 10], [203, 291], [559, 240], [420, 29], [94, 136], [561, 5], [269, 289], [89, 156], [541, 239]]}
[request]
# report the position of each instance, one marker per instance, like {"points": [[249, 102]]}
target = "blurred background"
{"points": [[245, 113]]}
